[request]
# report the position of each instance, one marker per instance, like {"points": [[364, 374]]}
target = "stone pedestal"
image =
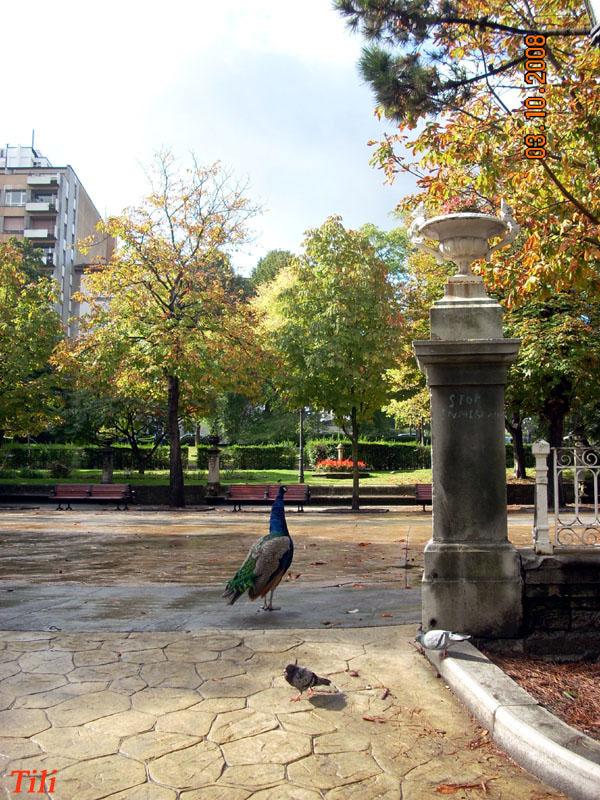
{"points": [[472, 578], [107, 465], [214, 469]]}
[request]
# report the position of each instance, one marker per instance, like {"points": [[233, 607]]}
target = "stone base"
{"points": [[472, 588]]}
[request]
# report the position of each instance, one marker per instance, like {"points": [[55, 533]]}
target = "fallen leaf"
{"points": [[369, 718], [387, 614], [358, 586], [316, 563], [452, 788], [364, 544]]}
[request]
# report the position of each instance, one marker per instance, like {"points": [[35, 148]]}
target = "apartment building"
{"points": [[49, 206]]}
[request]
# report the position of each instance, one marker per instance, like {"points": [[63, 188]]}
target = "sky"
{"points": [[270, 88]]}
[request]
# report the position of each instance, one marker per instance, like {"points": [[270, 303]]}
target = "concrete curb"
{"points": [[544, 745]]}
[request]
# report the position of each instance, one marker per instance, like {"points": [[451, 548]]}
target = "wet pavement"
{"points": [[124, 676]]}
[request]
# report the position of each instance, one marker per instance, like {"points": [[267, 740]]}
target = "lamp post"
{"points": [[301, 448]]}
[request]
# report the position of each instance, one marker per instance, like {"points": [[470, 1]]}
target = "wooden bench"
{"points": [[70, 492], [423, 493], [95, 493], [246, 494], [116, 492], [297, 493]]}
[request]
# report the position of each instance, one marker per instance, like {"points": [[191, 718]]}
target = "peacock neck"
{"points": [[277, 523]]}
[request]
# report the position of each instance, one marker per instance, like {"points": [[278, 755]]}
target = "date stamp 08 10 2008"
{"points": [[535, 105]]}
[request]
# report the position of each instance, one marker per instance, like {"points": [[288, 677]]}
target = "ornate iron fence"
{"points": [[576, 475], [578, 467]]}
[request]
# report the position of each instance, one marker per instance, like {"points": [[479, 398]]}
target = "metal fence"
{"points": [[575, 475]]}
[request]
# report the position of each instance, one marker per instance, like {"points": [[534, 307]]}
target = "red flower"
{"points": [[334, 465]]}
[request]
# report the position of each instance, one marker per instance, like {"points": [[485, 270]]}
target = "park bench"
{"points": [[70, 492], [296, 493], [239, 494], [116, 492], [423, 493], [96, 493]]}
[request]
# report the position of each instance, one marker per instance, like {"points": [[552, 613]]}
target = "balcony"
{"points": [[40, 207], [42, 180], [39, 233]]}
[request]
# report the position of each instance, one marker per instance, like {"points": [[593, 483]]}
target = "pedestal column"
{"points": [[472, 578], [214, 471]]}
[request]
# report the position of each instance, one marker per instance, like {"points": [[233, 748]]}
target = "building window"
{"points": [[15, 197], [14, 225]]}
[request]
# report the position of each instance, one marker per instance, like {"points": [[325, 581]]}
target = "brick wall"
{"points": [[561, 604]]}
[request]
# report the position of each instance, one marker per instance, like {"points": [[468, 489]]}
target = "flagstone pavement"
{"points": [[160, 716], [131, 712]]}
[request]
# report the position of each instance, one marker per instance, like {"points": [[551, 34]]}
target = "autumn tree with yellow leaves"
{"points": [[452, 75], [167, 322]]}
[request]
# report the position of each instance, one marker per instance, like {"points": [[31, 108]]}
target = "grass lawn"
{"points": [[195, 477]]}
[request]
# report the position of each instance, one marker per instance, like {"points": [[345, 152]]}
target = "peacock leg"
{"points": [[271, 607]]}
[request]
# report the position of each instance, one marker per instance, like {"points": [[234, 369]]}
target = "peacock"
{"points": [[267, 561]]}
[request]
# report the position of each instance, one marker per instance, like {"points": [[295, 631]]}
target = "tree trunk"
{"points": [[515, 428], [354, 438], [176, 491]]}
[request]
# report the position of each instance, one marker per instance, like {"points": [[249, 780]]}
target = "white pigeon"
{"points": [[439, 640]]}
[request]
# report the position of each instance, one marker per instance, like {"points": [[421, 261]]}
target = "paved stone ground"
{"points": [[200, 714], [159, 716]]}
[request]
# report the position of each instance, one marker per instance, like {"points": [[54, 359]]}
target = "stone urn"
{"points": [[463, 238]]}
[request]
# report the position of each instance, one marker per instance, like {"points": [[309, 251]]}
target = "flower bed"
{"points": [[339, 468]]}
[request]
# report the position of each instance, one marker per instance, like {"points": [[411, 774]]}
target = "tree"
{"points": [[558, 366], [269, 266], [333, 319], [466, 64], [423, 284], [30, 329], [166, 321], [424, 70]]}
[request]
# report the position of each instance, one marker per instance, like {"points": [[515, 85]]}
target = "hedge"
{"points": [[260, 456], [41, 456], [380, 456]]}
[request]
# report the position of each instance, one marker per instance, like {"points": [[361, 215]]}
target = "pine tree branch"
{"points": [[485, 23]]}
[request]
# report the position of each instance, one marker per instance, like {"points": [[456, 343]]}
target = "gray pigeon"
{"points": [[439, 640], [302, 679]]}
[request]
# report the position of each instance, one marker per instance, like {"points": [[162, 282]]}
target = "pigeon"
{"points": [[267, 561], [302, 679], [439, 640]]}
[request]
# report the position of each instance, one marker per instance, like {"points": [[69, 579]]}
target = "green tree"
{"points": [[30, 329], [558, 367], [268, 267], [422, 285], [167, 325], [333, 319]]}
